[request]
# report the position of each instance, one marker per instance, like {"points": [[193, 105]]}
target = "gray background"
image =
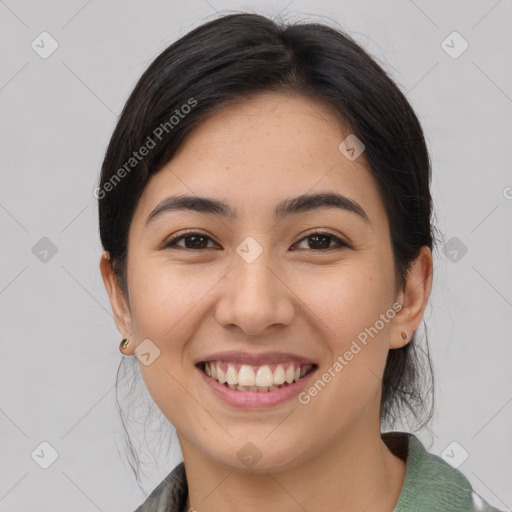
{"points": [[59, 342]]}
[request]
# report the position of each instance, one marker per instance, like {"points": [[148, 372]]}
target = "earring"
{"points": [[123, 344], [404, 336]]}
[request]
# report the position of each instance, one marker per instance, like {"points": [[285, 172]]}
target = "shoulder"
{"points": [[430, 483], [170, 495]]}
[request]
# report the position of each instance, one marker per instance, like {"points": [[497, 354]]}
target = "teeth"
{"points": [[264, 377], [246, 376], [245, 388], [221, 376], [250, 378], [279, 375], [231, 375], [305, 369]]}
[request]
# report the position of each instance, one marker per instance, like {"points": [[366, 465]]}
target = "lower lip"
{"points": [[256, 399]]}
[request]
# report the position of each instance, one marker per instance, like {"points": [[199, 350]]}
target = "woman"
{"points": [[265, 211]]}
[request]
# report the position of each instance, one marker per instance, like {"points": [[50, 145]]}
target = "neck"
{"points": [[358, 473]]}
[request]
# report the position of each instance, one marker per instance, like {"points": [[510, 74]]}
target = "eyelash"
{"points": [[341, 243]]}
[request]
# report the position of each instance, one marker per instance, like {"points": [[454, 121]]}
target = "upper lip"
{"points": [[256, 359]]}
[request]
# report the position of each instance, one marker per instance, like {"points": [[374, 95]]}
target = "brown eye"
{"points": [[320, 241], [192, 241]]}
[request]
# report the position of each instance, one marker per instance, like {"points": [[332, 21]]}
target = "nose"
{"points": [[255, 298]]}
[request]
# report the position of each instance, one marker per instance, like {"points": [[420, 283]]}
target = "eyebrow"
{"points": [[294, 205]]}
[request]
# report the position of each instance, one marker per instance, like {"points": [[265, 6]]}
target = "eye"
{"points": [[199, 241], [323, 239]]}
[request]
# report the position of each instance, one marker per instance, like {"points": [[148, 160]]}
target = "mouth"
{"points": [[264, 378]]}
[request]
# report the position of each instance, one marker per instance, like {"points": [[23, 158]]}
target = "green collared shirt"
{"points": [[430, 484]]}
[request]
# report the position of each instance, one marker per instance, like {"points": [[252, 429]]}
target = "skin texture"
{"points": [[312, 301]]}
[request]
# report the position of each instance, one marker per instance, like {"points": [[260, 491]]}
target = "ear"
{"points": [[414, 298], [122, 314]]}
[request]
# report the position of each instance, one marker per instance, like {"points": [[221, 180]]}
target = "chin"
{"points": [[260, 456]]}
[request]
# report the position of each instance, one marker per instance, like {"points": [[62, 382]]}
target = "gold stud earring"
{"points": [[404, 336], [123, 344]]}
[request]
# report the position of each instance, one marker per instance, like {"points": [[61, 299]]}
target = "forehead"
{"points": [[258, 152]]}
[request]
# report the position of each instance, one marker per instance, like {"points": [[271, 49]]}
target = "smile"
{"points": [[252, 378]]}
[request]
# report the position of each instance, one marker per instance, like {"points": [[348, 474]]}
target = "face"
{"points": [[307, 293]]}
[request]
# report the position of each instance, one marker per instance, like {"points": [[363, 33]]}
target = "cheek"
{"points": [[354, 306], [165, 296], [167, 300], [348, 305], [348, 299]]}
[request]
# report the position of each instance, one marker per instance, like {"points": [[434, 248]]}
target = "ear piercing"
{"points": [[123, 344]]}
